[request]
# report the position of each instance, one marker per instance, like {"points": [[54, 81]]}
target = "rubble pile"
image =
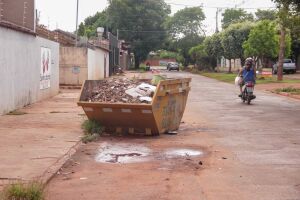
{"points": [[122, 91]]}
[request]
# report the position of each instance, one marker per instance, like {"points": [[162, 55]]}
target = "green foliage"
{"points": [[136, 20], [81, 30], [91, 126], [89, 138], [232, 16], [201, 58], [213, 45], [187, 21], [167, 54], [184, 45], [23, 191], [265, 15], [92, 130], [17, 112], [229, 78], [233, 38], [290, 90], [263, 41], [90, 25]]}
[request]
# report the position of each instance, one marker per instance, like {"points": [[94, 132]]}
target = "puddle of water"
{"points": [[182, 153], [122, 153], [125, 153]]}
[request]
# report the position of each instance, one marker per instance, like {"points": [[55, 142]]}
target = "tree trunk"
{"points": [[281, 53], [136, 62], [229, 71]]}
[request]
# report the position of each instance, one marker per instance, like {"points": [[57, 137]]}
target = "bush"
{"points": [[23, 191], [92, 130]]}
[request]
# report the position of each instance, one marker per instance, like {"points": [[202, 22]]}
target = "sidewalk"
{"points": [[36, 144]]}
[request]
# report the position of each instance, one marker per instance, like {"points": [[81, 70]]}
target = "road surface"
{"points": [[248, 152]]}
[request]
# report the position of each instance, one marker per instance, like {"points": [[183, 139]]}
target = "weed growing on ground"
{"points": [[33, 190], [16, 112], [92, 130], [290, 90]]}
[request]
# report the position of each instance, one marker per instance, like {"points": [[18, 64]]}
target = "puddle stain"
{"points": [[124, 153]]}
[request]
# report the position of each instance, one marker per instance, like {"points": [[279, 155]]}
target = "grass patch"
{"points": [[53, 112], [23, 191], [16, 112], [92, 131], [229, 78], [225, 77], [289, 90]]}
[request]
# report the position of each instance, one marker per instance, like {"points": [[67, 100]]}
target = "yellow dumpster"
{"points": [[164, 114]]}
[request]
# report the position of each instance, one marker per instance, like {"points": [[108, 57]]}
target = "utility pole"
{"points": [[217, 18], [76, 23], [117, 34]]}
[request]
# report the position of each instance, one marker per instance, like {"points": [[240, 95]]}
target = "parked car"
{"points": [[172, 66], [288, 66]]}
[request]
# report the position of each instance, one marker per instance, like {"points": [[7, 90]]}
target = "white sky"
{"points": [[62, 13]]}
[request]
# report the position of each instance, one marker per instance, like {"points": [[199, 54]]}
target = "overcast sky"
{"points": [[62, 13]]}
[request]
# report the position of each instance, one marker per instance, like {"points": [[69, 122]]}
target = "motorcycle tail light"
{"points": [[249, 84]]}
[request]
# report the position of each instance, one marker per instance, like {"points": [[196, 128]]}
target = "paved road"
{"points": [[250, 152], [263, 138]]}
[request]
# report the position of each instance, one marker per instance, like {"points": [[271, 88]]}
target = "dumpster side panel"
{"points": [[169, 103], [131, 118]]}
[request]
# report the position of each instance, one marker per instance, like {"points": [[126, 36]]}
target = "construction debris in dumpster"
{"points": [[122, 91]]}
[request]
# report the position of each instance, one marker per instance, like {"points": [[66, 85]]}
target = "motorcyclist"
{"points": [[248, 73]]}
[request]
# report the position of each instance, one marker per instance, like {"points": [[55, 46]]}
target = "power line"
{"points": [[154, 31], [221, 7]]}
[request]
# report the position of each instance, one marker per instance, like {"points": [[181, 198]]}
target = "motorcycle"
{"points": [[247, 94]]}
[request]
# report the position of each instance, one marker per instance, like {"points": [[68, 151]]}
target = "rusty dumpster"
{"points": [[164, 114]]}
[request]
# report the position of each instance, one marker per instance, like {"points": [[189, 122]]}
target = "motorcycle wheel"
{"points": [[249, 101]]}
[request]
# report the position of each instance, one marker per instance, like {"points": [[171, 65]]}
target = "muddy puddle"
{"points": [[134, 153]]}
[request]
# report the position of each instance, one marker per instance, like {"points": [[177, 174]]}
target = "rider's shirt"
{"points": [[248, 75]]}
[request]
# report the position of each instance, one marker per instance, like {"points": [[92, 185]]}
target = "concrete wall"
{"points": [[20, 67], [98, 64], [91, 63], [73, 65]]}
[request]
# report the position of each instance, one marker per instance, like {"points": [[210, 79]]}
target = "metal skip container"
{"points": [[164, 114]]}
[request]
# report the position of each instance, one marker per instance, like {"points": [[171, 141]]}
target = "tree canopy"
{"points": [[233, 38], [140, 22], [233, 15], [263, 41], [265, 15], [187, 21]]}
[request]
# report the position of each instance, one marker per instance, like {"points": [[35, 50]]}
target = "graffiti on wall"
{"points": [[45, 71]]}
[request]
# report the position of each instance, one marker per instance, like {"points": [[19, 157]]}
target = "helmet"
{"points": [[249, 61]]}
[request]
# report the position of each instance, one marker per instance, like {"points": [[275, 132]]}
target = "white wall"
{"points": [[96, 62], [20, 64]]}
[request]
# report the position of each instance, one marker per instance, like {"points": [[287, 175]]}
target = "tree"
{"points": [[81, 30], [183, 45], [232, 40], [91, 24], [263, 41], [187, 21], [265, 15], [185, 31], [233, 15], [140, 22], [213, 46], [288, 13]]}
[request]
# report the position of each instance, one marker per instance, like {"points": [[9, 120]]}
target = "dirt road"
{"points": [[230, 151]]}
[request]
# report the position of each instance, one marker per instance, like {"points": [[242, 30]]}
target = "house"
{"points": [[29, 64], [81, 60]]}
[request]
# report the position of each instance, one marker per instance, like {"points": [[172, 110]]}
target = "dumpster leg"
{"points": [[148, 131]]}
